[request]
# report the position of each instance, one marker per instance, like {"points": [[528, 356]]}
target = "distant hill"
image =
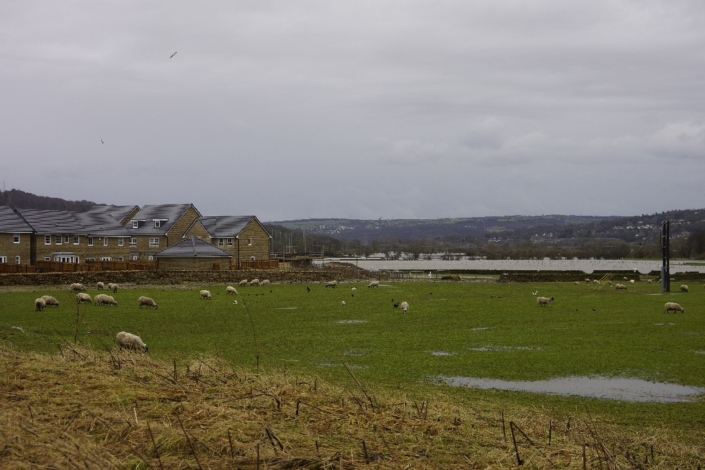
{"points": [[18, 199]]}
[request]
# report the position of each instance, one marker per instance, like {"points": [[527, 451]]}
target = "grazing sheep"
{"points": [[543, 301], [113, 287], [230, 290], [331, 284], [620, 287], [39, 304], [577, 283], [354, 288], [100, 286], [147, 302], [596, 281], [129, 341], [342, 302], [76, 287], [404, 307], [254, 282], [684, 288], [668, 306], [373, 284], [82, 297], [205, 295], [50, 301], [587, 279], [104, 299], [265, 282], [631, 281], [243, 282], [650, 281]]}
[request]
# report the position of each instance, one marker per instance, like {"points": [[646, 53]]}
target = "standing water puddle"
{"points": [[634, 390]]}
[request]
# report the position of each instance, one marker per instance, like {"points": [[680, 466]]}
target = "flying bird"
{"points": [[101, 141], [172, 55]]}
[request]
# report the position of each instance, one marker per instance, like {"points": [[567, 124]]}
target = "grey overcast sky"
{"points": [[361, 109]]}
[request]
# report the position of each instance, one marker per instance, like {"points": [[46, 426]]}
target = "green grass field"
{"points": [[485, 330]]}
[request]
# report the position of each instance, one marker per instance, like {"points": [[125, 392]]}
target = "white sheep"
{"points": [[254, 282], [100, 286], [577, 283], [147, 302], [332, 283], [265, 282], [113, 287], [684, 288], [631, 281], [82, 297], [620, 287], [543, 301], [373, 284], [129, 341], [104, 299], [404, 307], [230, 290], [205, 295], [50, 301], [342, 302], [243, 282], [668, 306], [76, 287], [39, 304], [587, 279], [354, 288]]}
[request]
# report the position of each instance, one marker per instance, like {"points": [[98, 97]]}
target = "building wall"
{"points": [[199, 231], [82, 250], [142, 249], [10, 249], [176, 232], [260, 242], [201, 264]]}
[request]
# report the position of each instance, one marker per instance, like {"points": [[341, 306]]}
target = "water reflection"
{"points": [[633, 390]]}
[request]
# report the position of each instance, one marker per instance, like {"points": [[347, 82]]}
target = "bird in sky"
{"points": [[101, 141], [172, 55]]}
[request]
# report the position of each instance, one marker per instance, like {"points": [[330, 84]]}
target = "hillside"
{"points": [[18, 199]]}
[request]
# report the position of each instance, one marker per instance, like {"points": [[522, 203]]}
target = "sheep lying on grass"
{"points": [[76, 287], [404, 307], [668, 306], [373, 284], [129, 341], [205, 295], [543, 301], [113, 287], [242, 283], [39, 304], [620, 287], [684, 288], [230, 290], [100, 286], [104, 299], [50, 301], [332, 283], [82, 297], [147, 302]]}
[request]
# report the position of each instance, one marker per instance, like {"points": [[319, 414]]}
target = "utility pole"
{"points": [[665, 267]]}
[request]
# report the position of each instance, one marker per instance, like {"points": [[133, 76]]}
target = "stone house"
{"points": [[243, 237], [16, 238], [156, 227], [193, 254]]}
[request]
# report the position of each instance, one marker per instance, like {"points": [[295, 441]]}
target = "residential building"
{"points": [[193, 254], [156, 227], [16, 238]]}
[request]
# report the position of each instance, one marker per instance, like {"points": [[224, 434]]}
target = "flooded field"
{"points": [[634, 390], [434, 267]]}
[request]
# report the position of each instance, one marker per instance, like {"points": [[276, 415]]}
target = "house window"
{"points": [[230, 242], [135, 223], [249, 241], [133, 241], [135, 257], [3, 259], [75, 239], [106, 258], [120, 258], [150, 258], [17, 260], [105, 241], [90, 259], [58, 239], [66, 238], [90, 241], [16, 238], [220, 242], [47, 239], [121, 241], [47, 258], [153, 242], [253, 258], [157, 223]]}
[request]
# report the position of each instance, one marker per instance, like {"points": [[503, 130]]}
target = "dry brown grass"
{"points": [[88, 409]]}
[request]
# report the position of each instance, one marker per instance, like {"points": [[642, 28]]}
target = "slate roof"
{"points": [[118, 213], [193, 248], [167, 214], [11, 222], [226, 226], [64, 222]]}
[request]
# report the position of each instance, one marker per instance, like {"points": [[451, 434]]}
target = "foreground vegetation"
{"points": [[373, 370]]}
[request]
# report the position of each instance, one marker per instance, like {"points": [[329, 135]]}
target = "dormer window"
{"points": [[157, 223], [135, 223]]}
